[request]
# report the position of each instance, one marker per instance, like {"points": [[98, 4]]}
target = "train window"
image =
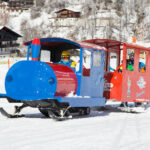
{"points": [[130, 60], [97, 59], [75, 58], [45, 56], [142, 61], [113, 61], [86, 63]]}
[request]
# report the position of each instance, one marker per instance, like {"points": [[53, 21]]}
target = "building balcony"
{"points": [[9, 45]]}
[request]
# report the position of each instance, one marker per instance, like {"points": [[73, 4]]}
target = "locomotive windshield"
{"points": [[45, 56], [55, 56]]}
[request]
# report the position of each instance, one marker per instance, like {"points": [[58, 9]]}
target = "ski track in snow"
{"points": [[108, 130]]}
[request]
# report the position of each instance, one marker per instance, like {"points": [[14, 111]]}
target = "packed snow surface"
{"points": [[101, 130]]}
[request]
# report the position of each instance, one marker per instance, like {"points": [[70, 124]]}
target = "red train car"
{"points": [[127, 70]]}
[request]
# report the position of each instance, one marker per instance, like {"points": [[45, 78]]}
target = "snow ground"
{"points": [[109, 130]]}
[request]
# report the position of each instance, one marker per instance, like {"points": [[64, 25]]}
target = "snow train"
{"points": [[59, 90]]}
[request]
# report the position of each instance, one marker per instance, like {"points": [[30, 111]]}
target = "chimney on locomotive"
{"points": [[35, 49]]}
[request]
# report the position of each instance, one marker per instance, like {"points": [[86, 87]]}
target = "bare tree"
{"points": [[39, 3], [35, 12], [4, 18]]}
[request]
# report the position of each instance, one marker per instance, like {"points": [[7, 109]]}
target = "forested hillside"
{"points": [[115, 19]]}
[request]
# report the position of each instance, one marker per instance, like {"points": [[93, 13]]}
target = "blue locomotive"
{"points": [[57, 89]]}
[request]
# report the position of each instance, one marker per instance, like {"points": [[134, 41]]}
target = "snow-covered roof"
{"points": [[64, 9], [10, 30], [75, 9]]}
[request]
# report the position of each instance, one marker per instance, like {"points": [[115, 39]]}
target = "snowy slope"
{"points": [[109, 130]]}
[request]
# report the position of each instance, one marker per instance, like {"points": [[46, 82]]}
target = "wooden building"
{"points": [[19, 5], [25, 4], [66, 13], [8, 42]]}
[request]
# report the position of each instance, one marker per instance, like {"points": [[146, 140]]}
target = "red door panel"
{"points": [[113, 85]]}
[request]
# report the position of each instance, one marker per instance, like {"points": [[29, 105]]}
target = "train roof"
{"points": [[110, 44], [107, 43], [64, 44]]}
